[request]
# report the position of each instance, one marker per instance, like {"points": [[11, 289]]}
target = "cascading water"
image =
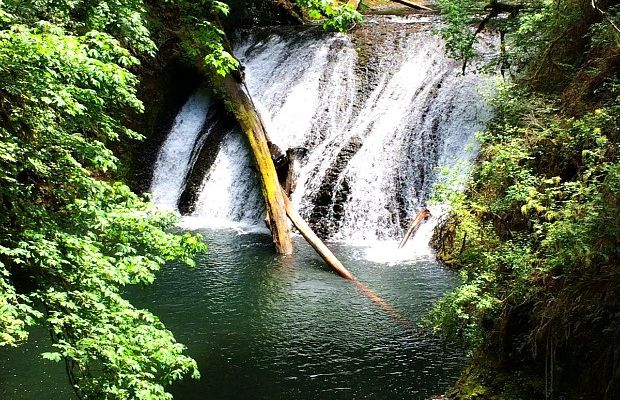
{"points": [[229, 192], [175, 157], [418, 110], [374, 132]]}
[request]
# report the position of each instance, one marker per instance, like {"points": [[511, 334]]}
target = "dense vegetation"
{"points": [[71, 237], [537, 234]]}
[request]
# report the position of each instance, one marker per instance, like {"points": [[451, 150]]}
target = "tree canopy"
{"points": [[540, 37], [71, 237]]}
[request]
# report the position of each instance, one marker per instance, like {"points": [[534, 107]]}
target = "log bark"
{"points": [[415, 224], [314, 240], [241, 105], [354, 3], [292, 171], [331, 260], [232, 90], [413, 5], [384, 305]]}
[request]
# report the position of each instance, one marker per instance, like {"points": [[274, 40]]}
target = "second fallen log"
{"points": [[414, 5], [415, 224]]}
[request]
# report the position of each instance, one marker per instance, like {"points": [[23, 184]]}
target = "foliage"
{"points": [[607, 32], [123, 19], [202, 34], [457, 31], [541, 40], [536, 234], [203, 37], [69, 238], [540, 218], [338, 16]]}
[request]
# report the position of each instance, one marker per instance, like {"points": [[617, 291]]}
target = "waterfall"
{"points": [[374, 129], [230, 192], [177, 153]]}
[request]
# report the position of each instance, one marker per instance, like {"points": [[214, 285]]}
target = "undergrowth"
{"points": [[536, 235]]}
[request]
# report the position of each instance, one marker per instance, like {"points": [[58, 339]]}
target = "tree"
{"points": [[70, 237]]}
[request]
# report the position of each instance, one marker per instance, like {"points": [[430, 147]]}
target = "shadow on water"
{"points": [[267, 327]]}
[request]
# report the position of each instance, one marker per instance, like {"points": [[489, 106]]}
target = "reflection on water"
{"points": [[268, 327]]}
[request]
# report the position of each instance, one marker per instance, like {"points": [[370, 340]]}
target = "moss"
{"points": [[444, 240], [488, 379]]}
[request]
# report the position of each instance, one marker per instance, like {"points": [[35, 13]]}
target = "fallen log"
{"points": [[241, 105], [278, 206], [415, 224], [333, 262], [354, 3], [413, 5], [378, 300], [314, 241]]}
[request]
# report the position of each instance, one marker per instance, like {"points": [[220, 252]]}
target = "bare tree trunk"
{"points": [[314, 240], [240, 103], [413, 5], [415, 224]]}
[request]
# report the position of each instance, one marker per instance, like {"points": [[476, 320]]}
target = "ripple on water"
{"points": [[268, 327]]}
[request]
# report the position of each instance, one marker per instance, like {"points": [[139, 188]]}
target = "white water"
{"points": [[399, 142], [175, 157], [229, 192], [375, 156]]}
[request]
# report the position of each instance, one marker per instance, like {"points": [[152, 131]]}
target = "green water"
{"points": [[268, 327]]}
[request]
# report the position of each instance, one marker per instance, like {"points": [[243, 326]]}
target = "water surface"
{"points": [[263, 326]]}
